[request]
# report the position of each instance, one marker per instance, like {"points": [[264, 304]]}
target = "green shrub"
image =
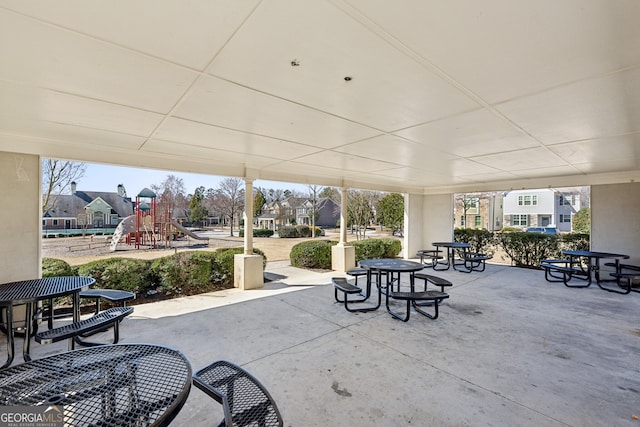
{"points": [[258, 232], [303, 230], [392, 247], [481, 241], [126, 274], [53, 267], [312, 254], [528, 249], [225, 262], [575, 241], [186, 273], [288, 232]]}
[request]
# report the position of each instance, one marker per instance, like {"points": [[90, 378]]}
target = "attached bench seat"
{"points": [[104, 319], [433, 255], [115, 296], [474, 261], [342, 285], [567, 268], [412, 298], [438, 281]]}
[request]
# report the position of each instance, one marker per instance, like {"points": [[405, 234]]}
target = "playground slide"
{"points": [[126, 226], [189, 233]]}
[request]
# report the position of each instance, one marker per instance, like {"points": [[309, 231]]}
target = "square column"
{"points": [[343, 257], [247, 271]]}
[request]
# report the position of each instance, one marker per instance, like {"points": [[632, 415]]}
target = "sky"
{"points": [[99, 177]]}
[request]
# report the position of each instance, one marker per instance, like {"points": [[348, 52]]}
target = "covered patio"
{"points": [[427, 99], [508, 349]]}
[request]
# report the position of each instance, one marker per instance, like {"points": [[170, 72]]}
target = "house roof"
{"points": [[71, 205], [411, 96]]}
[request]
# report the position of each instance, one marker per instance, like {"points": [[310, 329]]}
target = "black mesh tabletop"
{"points": [[111, 385], [26, 291]]}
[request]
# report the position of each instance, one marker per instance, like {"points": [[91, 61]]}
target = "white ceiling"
{"points": [[444, 95]]}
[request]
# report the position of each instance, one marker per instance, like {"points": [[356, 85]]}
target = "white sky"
{"points": [[99, 177]]}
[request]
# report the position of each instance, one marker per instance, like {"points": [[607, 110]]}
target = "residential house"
{"points": [[87, 209], [479, 210], [544, 207], [297, 211]]}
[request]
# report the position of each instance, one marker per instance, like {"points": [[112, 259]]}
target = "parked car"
{"points": [[542, 230]]}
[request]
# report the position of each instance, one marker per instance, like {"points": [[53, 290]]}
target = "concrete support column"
{"points": [[247, 267], [413, 224], [248, 217], [21, 219], [343, 257], [437, 221]]}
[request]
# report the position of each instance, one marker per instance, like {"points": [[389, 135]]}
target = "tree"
{"points": [[316, 204], [230, 199], [390, 211], [197, 211], [258, 202], [360, 212], [582, 221], [171, 195], [57, 176]]}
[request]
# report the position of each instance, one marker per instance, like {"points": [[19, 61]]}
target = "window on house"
{"points": [[44, 222], [478, 221], [568, 200], [462, 221], [529, 200], [55, 222], [520, 220], [471, 204], [565, 218]]}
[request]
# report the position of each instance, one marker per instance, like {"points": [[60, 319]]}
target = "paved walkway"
{"points": [[509, 349]]}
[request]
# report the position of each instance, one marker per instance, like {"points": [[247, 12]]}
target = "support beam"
{"points": [[343, 256], [247, 267]]}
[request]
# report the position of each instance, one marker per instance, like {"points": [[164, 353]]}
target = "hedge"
{"points": [[258, 232], [312, 254], [377, 248]]}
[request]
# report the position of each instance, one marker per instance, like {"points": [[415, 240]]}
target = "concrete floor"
{"points": [[509, 349]]}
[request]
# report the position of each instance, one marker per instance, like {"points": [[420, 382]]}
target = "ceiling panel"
{"points": [[53, 58], [190, 152], [389, 148], [613, 151], [388, 90], [221, 103], [504, 49], [216, 138], [470, 134], [532, 158], [156, 28], [23, 102], [609, 105]]}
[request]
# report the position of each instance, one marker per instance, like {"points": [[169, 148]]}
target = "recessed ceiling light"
{"points": [[347, 79]]}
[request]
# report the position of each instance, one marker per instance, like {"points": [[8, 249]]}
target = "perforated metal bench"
{"points": [[412, 298], [245, 401], [474, 261], [566, 268], [100, 321], [341, 284], [430, 254]]}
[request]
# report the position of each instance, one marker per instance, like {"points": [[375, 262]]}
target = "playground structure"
{"points": [[149, 226]]}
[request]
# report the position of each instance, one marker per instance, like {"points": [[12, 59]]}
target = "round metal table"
{"points": [[29, 292], [121, 384]]}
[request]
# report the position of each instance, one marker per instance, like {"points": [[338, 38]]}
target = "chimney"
{"points": [[73, 187]]}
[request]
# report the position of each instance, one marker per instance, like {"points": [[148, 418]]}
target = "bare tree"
{"points": [[171, 195], [57, 176], [316, 204], [230, 199], [360, 210]]}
